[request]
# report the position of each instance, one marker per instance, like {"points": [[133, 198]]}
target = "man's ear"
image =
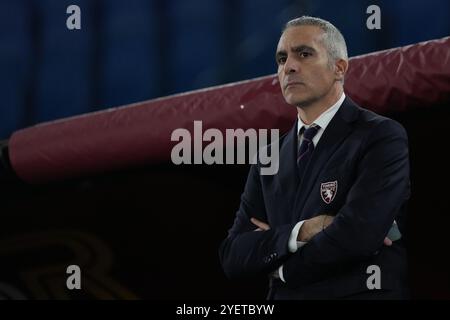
{"points": [[340, 67]]}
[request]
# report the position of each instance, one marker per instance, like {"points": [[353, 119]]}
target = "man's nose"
{"points": [[290, 66]]}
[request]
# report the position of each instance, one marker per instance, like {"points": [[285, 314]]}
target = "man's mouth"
{"points": [[292, 84]]}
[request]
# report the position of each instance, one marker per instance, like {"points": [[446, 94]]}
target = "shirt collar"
{"points": [[324, 119]]}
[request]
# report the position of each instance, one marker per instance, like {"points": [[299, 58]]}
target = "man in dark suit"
{"points": [[319, 226]]}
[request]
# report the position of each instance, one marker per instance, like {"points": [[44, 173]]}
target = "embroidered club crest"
{"points": [[328, 191]]}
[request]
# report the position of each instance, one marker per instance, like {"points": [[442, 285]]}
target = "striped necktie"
{"points": [[306, 147]]}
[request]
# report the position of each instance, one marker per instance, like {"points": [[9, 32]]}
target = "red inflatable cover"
{"points": [[393, 80]]}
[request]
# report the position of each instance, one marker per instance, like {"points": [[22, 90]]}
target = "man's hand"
{"points": [[313, 226], [261, 225]]}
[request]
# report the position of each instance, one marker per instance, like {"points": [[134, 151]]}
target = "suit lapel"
{"points": [[335, 133]]}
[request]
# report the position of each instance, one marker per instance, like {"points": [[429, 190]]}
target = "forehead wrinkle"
{"points": [[315, 40]]}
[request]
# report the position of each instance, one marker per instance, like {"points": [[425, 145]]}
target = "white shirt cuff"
{"points": [[293, 244], [280, 273]]}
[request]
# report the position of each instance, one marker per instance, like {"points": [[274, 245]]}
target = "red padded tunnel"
{"points": [[387, 81]]}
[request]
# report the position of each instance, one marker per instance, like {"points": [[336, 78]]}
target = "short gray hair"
{"points": [[333, 39]]}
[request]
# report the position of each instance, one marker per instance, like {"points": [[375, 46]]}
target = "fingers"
{"points": [[387, 242], [261, 225]]}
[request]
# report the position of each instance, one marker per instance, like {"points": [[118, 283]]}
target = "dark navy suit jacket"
{"points": [[364, 158]]}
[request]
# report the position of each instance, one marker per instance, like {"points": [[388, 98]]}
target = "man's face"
{"points": [[303, 69]]}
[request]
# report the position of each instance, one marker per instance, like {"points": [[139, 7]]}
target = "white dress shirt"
{"points": [[323, 120]]}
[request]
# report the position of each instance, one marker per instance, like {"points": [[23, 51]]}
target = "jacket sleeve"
{"points": [[245, 252], [380, 189]]}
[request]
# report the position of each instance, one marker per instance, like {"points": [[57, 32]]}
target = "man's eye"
{"points": [[304, 54], [281, 60]]}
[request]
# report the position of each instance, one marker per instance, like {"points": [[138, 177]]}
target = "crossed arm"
{"points": [[309, 228]]}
